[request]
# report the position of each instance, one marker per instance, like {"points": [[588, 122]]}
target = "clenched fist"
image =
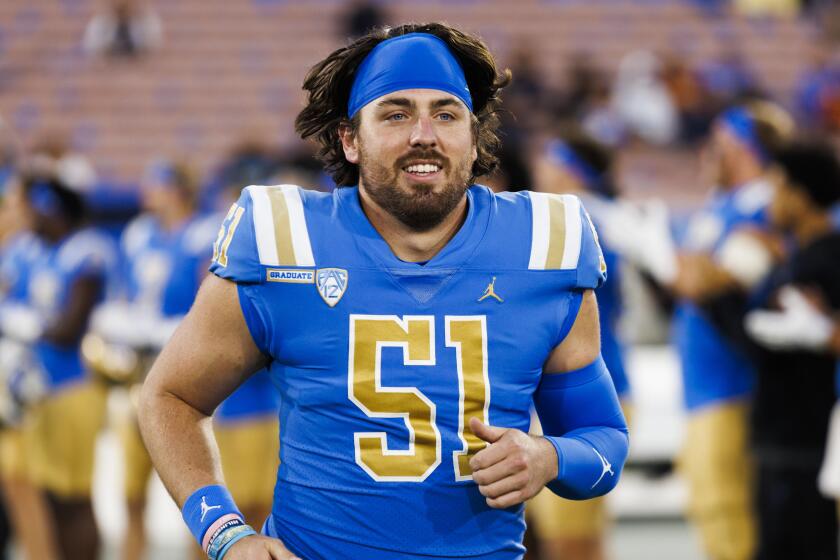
{"points": [[514, 467]]}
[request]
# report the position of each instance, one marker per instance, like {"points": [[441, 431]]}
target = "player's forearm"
{"points": [[209, 355], [700, 278], [180, 442], [581, 416]]}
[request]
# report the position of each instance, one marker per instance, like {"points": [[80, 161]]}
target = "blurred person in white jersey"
{"points": [[721, 249]]}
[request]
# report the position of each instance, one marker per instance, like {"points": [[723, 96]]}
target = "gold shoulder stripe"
{"points": [[282, 228], [556, 232]]}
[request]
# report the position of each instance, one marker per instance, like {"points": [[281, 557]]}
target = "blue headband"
{"points": [[563, 154], [741, 124], [161, 172], [412, 61], [44, 200]]}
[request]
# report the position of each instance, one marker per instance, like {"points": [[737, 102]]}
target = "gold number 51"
{"points": [[416, 336]]}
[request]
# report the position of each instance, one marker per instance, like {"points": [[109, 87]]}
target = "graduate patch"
{"points": [[290, 275]]}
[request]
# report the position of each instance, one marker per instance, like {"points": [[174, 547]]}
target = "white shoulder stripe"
{"points": [[571, 254], [263, 225], [297, 222], [539, 230]]}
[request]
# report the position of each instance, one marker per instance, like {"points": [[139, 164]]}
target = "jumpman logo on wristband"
{"points": [[604, 465], [205, 508]]}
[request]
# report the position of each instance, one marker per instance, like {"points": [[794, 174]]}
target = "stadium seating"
{"points": [[229, 69]]}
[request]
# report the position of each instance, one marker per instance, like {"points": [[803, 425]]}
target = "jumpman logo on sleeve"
{"points": [[205, 508], [605, 465]]}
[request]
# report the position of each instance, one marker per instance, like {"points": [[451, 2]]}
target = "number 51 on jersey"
{"points": [[415, 334]]}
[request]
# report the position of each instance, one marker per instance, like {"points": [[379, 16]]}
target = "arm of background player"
{"points": [[742, 262], [71, 324], [209, 355], [727, 311]]}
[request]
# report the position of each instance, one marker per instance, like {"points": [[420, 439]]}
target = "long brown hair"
{"points": [[329, 83]]}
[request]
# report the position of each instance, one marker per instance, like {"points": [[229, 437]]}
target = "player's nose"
{"points": [[423, 133]]}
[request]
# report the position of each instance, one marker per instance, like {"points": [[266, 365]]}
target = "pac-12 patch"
{"points": [[331, 284], [290, 275]]}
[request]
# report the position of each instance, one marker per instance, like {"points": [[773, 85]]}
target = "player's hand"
{"points": [[799, 324], [514, 467], [259, 547]]}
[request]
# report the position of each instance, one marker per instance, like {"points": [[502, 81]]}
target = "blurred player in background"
{"points": [[24, 502], [577, 164], [720, 250], [65, 281], [794, 392], [165, 254], [809, 318], [427, 325]]}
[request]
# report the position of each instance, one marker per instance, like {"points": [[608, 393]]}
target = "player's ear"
{"points": [[349, 143]]}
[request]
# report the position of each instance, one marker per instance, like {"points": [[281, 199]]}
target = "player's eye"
{"points": [[446, 116], [397, 117]]}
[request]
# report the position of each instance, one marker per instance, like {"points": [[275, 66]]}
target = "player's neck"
{"points": [[407, 244], [173, 217], [744, 174]]}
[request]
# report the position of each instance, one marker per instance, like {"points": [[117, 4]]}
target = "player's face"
{"points": [[415, 150], [553, 177], [719, 157], [157, 197]]}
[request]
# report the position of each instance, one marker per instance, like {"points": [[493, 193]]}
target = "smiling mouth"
{"points": [[422, 168]]}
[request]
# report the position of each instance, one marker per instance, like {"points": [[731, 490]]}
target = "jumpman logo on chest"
{"points": [[490, 291]]}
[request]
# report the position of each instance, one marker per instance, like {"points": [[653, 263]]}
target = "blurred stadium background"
{"points": [[217, 83]]}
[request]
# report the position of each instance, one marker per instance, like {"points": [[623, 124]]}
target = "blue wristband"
{"points": [[232, 537], [204, 507]]}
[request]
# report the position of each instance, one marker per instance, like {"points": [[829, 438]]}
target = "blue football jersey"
{"points": [[380, 363], [16, 258], [84, 253], [163, 271], [713, 369]]}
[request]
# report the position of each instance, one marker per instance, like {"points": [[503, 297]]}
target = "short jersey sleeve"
{"points": [[265, 228], [235, 255], [88, 253], [592, 267], [563, 238]]}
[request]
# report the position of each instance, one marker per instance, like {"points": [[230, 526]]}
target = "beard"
{"points": [[418, 206]]}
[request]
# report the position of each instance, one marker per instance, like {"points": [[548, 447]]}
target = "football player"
{"points": [[24, 502], [409, 320], [722, 249], [165, 253], [65, 280]]}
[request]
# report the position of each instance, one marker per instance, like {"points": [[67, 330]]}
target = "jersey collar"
{"points": [[453, 255]]}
